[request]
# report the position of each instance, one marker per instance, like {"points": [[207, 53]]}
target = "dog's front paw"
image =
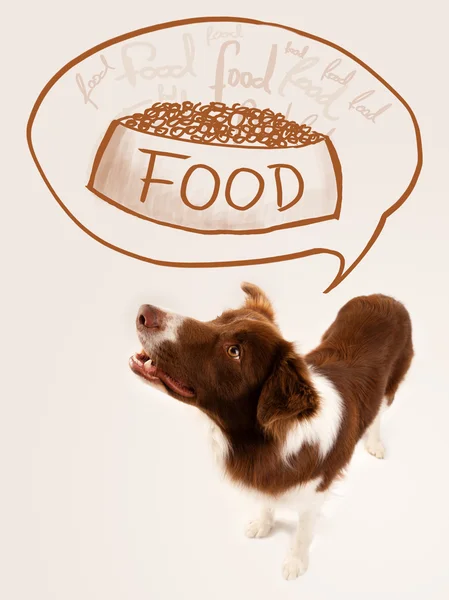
{"points": [[377, 449], [294, 566], [259, 529]]}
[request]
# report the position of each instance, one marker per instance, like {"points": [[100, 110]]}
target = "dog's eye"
{"points": [[233, 352]]}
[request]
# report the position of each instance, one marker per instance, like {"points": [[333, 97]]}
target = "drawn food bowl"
{"points": [[213, 168]]}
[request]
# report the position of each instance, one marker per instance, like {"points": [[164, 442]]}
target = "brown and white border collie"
{"points": [[283, 426]]}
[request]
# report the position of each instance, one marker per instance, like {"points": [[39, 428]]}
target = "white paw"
{"points": [[258, 529], [294, 567], [375, 448]]}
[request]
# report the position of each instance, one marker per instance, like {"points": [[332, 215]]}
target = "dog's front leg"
{"points": [[297, 559], [262, 526]]}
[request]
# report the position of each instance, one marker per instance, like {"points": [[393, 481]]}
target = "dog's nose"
{"points": [[149, 317]]}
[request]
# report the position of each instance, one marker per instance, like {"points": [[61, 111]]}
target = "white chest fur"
{"points": [[217, 440], [321, 429]]}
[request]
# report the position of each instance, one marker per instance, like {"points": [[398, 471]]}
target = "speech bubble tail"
{"points": [[343, 273]]}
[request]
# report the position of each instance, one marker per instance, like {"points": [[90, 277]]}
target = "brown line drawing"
{"points": [[277, 170], [220, 144], [204, 123], [216, 124], [96, 189], [230, 181], [310, 221], [216, 177], [148, 179], [342, 273]]}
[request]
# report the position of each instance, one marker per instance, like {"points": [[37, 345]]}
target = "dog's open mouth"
{"points": [[142, 365]]}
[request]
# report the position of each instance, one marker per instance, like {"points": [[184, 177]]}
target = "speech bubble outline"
{"points": [[343, 272]]}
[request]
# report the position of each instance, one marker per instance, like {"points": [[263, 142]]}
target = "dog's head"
{"points": [[238, 368]]}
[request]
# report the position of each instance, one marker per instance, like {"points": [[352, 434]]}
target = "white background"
{"points": [[107, 489]]}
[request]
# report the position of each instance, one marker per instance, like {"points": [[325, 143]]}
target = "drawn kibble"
{"points": [[217, 122]]}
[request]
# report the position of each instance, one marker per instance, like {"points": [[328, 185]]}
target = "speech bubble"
{"points": [[330, 196]]}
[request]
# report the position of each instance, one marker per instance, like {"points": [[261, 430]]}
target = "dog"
{"points": [[283, 426]]}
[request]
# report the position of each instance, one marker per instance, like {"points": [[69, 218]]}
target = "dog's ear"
{"points": [[257, 300], [287, 393]]}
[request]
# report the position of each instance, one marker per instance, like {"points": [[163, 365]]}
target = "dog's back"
{"points": [[366, 352]]}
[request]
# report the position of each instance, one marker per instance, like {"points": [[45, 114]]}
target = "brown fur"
{"points": [[255, 401]]}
